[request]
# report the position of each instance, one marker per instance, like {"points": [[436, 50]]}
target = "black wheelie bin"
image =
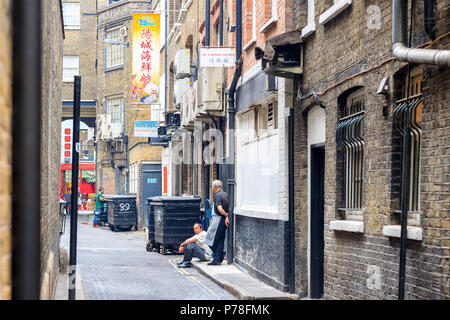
{"points": [[122, 212], [151, 244], [171, 220]]}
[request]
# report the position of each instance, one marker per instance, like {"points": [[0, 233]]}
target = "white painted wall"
{"points": [[262, 164]]}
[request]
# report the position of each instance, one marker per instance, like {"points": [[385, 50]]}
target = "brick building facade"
{"points": [[51, 50], [361, 226], [114, 88], [5, 146], [80, 53]]}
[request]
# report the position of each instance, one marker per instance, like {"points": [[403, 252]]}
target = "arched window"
{"points": [[350, 141], [408, 107]]}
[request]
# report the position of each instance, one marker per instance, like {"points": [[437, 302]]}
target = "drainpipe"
{"points": [[221, 24], [291, 202], [429, 20], [399, 35], [231, 115], [26, 136], [207, 23], [207, 172]]}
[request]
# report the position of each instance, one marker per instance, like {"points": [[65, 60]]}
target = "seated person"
{"points": [[194, 247]]}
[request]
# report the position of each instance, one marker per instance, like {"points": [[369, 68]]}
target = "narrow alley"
{"points": [[116, 266]]}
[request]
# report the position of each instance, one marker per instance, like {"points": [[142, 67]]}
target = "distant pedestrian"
{"points": [[215, 237], [68, 199], [194, 247], [98, 206]]}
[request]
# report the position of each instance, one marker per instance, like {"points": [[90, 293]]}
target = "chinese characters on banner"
{"points": [[217, 57], [145, 79]]}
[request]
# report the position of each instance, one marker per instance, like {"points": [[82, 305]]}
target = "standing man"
{"points": [[194, 247], [98, 206], [215, 237]]}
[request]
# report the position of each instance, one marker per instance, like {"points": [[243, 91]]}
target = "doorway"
{"points": [[317, 220], [151, 186]]}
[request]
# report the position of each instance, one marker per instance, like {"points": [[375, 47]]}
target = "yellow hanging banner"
{"points": [[146, 73]]}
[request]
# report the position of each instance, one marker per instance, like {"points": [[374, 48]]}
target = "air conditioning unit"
{"points": [[181, 87], [182, 63], [123, 31], [162, 131], [116, 130], [104, 127], [186, 111], [209, 98], [287, 61], [172, 119]]}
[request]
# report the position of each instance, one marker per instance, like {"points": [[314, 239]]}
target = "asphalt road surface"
{"points": [[116, 266]]}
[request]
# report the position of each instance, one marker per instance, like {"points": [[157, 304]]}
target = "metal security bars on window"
{"points": [[349, 138], [411, 108]]}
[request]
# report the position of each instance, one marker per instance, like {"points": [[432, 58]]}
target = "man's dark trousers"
{"points": [[193, 250], [219, 241]]}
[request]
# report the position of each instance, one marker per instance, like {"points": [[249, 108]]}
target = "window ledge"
{"points": [[249, 44], [309, 30], [257, 212], [114, 68], [268, 24], [335, 9], [413, 233], [72, 28], [347, 225]]}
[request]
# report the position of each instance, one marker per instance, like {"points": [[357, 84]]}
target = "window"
{"points": [[270, 14], [71, 15], [248, 126], [115, 54], [70, 68], [350, 141], [408, 109], [134, 178], [272, 116], [333, 9], [310, 28], [114, 107]]}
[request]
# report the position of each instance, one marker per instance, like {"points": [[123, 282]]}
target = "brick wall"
{"points": [[118, 83], [83, 43], [52, 49], [350, 256], [5, 146]]}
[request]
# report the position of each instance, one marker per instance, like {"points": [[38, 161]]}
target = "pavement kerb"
{"points": [[233, 289]]}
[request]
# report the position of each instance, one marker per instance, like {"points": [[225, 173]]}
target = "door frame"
{"points": [[313, 223], [141, 184]]}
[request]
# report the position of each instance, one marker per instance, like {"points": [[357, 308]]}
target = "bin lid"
{"points": [[115, 196], [118, 197], [174, 199]]}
